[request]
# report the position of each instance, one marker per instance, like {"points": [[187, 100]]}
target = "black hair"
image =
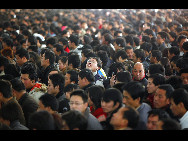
{"points": [[103, 57], [17, 85], [120, 41], [49, 55], [124, 76], [23, 53], [49, 100], [162, 114], [139, 53], [121, 53], [81, 93], [174, 50], [158, 79], [88, 74], [74, 59], [168, 88], [74, 39], [157, 54], [70, 87], [73, 75], [156, 68], [146, 46]]}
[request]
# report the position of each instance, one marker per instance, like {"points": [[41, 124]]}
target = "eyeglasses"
{"points": [[76, 103]]}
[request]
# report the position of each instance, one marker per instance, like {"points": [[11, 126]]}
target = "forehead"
{"points": [[138, 67], [76, 98], [25, 75], [161, 91]]}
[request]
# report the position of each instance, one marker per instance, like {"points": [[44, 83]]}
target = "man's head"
{"points": [[47, 58], [22, 56], [79, 100], [94, 64], [184, 75], [154, 81], [125, 117], [85, 77], [162, 96], [138, 71], [112, 100], [56, 84], [29, 75], [71, 77], [5, 89], [156, 56]]}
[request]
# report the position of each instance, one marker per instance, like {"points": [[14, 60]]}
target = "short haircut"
{"points": [[135, 89], [156, 68], [81, 93], [168, 88], [74, 59], [174, 50], [49, 100], [157, 54], [58, 80], [158, 112], [121, 53], [23, 53], [70, 87], [17, 85], [180, 95], [139, 53], [113, 94], [50, 55], [6, 88], [146, 46], [75, 119], [88, 74], [41, 120], [99, 62], [120, 41], [185, 46], [30, 69], [74, 39], [73, 75], [124, 76], [158, 79], [170, 124]]}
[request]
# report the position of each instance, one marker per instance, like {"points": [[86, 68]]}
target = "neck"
{"points": [[7, 99]]}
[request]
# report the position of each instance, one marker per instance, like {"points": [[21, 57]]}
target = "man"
{"points": [[56, 86], [154, 116], [162, 98], [22, 56], [126, 118], [79, 102], [71, 77], [179, 106], [133, 93], [138, 74], [6, 98], [162, 40], [112, 101], [47, 62], [95, 65], [154, 81], [85, 79], [129, 51], [28, 104], [184, 75], [155, 57], [30, 80]]}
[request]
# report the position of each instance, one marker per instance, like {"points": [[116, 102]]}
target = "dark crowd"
{"points": [[93, 69]]}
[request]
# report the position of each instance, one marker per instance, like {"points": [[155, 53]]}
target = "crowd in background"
{"points": [[93, 69]]}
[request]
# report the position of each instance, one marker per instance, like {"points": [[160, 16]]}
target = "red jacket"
{"points": [[98, 112]]}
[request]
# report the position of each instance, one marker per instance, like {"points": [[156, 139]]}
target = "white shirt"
{"points": [[184, 121]]}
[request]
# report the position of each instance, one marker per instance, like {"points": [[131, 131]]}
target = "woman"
{"points": [[95, 95]]}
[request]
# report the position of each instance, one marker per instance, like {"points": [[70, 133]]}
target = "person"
{"points": [[162, 98], [94, 99], [28, 104], [126, 118], [184, 75], [49, 103], [168, 124], [162, 40], [6, 98], [63, 63], [179, 106], [9, 115], [71, 77], [56, 85], [154, 81], [74, 120], [133, 93], [64, 104], [41, 120], [79, 102], [155, 57], [180, 40], [85, 79], [47, 62], [22, 56], [112, 101], [138, 74], [156, 68], [29, 78], [154, 116], [129, 51], [74, 62], [95, 65]]}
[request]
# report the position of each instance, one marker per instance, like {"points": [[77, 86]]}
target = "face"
{"points": [[51, 89], [43, 61], [67, 79], [152, 122], [27, 81], [117, 118], [184, 76], [20, 61], [76, 103], [92, 65], [182, 41], [128, 100], [151, 88], [174, 108], [159, 125], [138, 72], [109, 107], [81, 82], [129, 53], [159, 39], [160, 99], [90, 101], [134, 58]]}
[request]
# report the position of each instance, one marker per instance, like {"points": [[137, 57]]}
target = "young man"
{"points": [[95, 65], [79, 102], [29, 78]]}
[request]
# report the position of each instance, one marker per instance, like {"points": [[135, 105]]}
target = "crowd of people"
{"points": [[91, 69]]}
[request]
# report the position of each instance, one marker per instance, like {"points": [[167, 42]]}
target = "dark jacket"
{"points": [[29, 106]]}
